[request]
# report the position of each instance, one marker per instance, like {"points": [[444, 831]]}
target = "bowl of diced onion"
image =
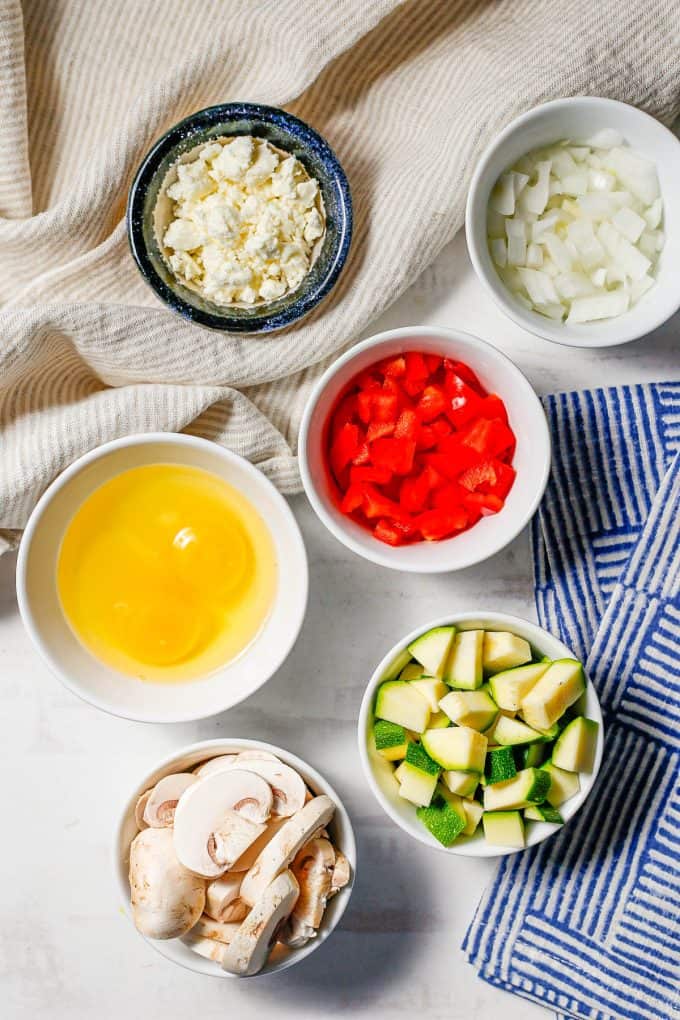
{"points": [[573, 222]]}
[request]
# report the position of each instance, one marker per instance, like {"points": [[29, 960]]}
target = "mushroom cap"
{"points": [[167, 899], [341, 873], [257, 755], [215, 764], [287, 785], [139, 810], [313, 869], [218, 817], [160, 807], [247, 859], [250, 946], [280, 851], [220, 894]]}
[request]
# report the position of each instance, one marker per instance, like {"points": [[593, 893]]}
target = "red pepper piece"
{"points": [[385, 531], [460, 457], [378, 429], [480, 474], [449, 498], [433, 362], [394, 367], [352, 499], [432, 403], [369, 473], [394, 453], [493, 407], [414, 492], [466, 374], [434, 525], [489, 437], [505, 477], [365, 406], [427, 438], [485, 502], [363, 454], [434, 479], [384, 406], [441, 427], [377, 505], [463, 400], [407, 425], [345, 412], [416, 373], [344, 447]]}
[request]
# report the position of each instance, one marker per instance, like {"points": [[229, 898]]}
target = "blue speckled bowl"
{"points": [[285, 132]]}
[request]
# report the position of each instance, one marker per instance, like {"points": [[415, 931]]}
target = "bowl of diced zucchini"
{"points": [[480, 734]]}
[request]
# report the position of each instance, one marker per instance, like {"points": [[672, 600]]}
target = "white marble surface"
{"points": [[66, 951]]}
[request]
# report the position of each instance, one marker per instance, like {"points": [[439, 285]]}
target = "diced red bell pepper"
{"points": [[486, 502], [378, 429], [385, 406], [505, 477], [414, 492], [377, 505], [416, 373], [344, 447], [450, 497], [344, 413], [393, 532], [407, 425], [441, 427], [493, 407], [460, 457], [365, 406], [489, 437], [433, 362], [352, 499], [434, 525], [394, 453], [394, 368], [363, 454], [434, 479], [370, 474], [432, 403], [463, 400], [368, 381], [466, 374], [427, 438], [481, 474]]}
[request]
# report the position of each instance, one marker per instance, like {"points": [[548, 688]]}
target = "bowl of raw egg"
{"points": [[162, 578]]}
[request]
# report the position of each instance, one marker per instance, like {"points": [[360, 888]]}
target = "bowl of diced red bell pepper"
{"points": [[424, 449]]}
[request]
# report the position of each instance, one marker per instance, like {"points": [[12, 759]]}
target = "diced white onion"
{"points": [[574, 229]]}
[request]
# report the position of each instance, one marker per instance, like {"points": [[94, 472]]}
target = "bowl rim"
{"points": [[474, 848], [533, 323], [147, 439], [216, 746], [145, 174], [386, 556]]}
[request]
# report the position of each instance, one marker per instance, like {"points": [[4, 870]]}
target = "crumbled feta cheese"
{"points": [[251, 218]]}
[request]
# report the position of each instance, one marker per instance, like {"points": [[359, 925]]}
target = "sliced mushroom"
{"points": [[220, 894], [209, 949], [248, 951], [236, 911], [217, 819], [313, 869], [246, 860], [159, 812], [287, 786], [281, 850], [257, 755], [215, 764], [295, 933], [139, 810], [167, 899], [206, 928], [341, 873]]}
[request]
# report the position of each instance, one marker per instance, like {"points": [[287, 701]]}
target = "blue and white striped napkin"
{"points": [[588, 922]]}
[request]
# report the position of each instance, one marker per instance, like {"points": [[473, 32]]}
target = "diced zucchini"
{"points": [[413, 671], [400, 703], [464, 668], [563, 784], [575, 747], [509, 687], [559, 687], [432, 690], [530, 786], [390, 740], [417, 756], [504, 828], [473, 813], [475, 709], [547, 736], [396, 666], [438, 721], [462, 783], [499, 765], [503, 650], [530, 756], [512, 731], [415, 786], [543, 813], [457, 748], [444, 818], [432, 649]]}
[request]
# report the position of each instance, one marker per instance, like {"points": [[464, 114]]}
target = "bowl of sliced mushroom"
{"points": [[235, 858]]}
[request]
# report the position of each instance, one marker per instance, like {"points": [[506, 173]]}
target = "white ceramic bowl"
{"points": [[578, 118], [105, 687], [340, 831], [531, 462], [379, 772]]}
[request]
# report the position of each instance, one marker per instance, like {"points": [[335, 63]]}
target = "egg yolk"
{"points": [[166, 572]]}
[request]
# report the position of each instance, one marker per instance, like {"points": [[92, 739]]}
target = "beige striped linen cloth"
{"points": [[407, 94]]}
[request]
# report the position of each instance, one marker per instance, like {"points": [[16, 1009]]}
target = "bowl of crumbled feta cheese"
{"points": [[240, 218]]}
